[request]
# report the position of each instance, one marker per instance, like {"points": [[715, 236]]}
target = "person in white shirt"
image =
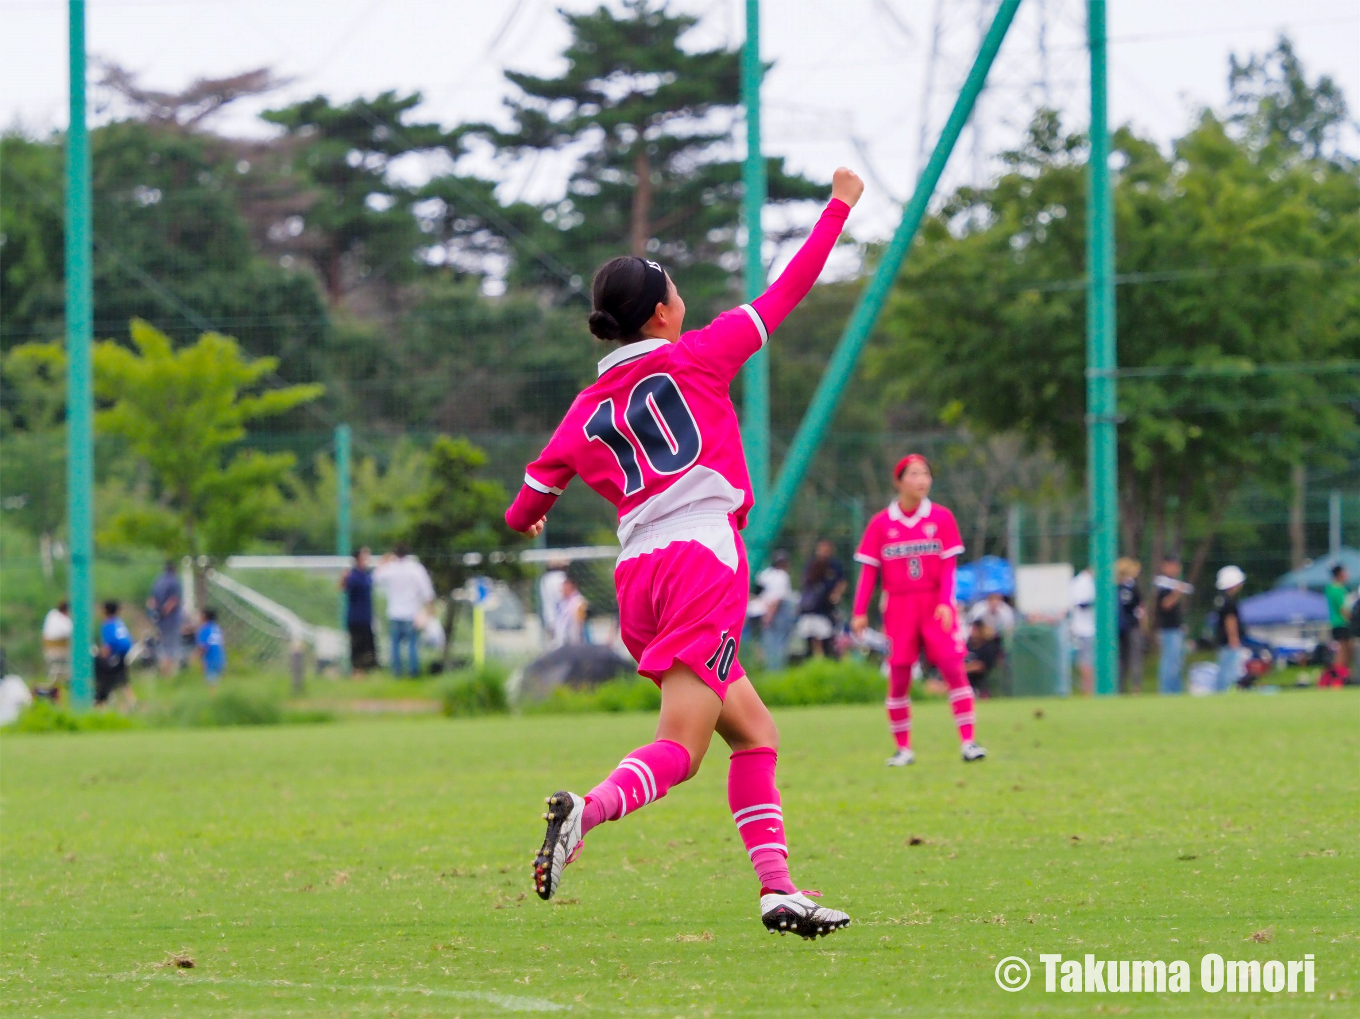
{"points": [[550, 594], [995, 613], [56, 643], [569, 624], [406, 585], [1082, 624], [773, 609]]}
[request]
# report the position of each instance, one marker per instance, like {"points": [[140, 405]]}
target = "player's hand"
{"points": [[859, 624], [944, 615], [534, 530], [846, 186]]}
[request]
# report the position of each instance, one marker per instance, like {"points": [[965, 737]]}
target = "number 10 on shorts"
{"points": [[723, 656]]}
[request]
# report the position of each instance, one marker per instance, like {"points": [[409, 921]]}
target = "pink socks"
{"points": [[643, 776], [754, 800], [960, 699], [899, 705]]}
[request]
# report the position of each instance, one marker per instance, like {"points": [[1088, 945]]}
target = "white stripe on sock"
{"points": [[760, 817], [651, 779], [642, 780], [768, 845], [759, 806], [959, 693], [900, 727], [623, 802], [897, 702]]}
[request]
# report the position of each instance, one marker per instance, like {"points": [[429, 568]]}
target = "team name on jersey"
{"points": [[902, 549]]}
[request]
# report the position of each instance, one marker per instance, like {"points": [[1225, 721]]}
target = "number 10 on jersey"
{"points": [[660, 425]]}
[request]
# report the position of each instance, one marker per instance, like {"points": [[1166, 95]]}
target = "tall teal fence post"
{"points": [[768, 518], [1102, 464], [755, 425], [79, 372], [342, 490]]}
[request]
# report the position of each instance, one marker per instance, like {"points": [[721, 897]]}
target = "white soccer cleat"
{"points": [[795, 913], [901, 759], [561, 845], [973, 752]]}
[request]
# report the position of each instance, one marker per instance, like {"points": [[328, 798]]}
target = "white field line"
{"points": [[509, 1002]]}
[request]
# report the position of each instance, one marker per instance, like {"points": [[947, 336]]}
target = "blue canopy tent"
{"points": [[1284, 606], [1318, 574]]}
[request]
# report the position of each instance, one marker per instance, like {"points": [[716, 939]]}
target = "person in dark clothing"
{"points": [[1228, 631], [1170, 593], [823, 586], [357, 583], [984, 652], [1130, 626]]}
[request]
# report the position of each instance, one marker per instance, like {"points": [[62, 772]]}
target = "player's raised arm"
{"points": [[801, 273]]}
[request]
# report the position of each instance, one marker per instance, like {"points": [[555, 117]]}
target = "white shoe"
{"points": [[973, 752], [901, 759], [561, 845], [795, 913]]}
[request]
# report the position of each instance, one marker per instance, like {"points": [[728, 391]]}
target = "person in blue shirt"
{"points": [[110, 664], [212, 650]]}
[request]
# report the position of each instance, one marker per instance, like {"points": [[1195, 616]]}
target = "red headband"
{"points": [[907, 461]]}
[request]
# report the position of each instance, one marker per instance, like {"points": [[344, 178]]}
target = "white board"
{"points": [[1044, 590]]}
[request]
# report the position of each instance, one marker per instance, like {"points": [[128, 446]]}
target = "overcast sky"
{"points": [[848, 86]]}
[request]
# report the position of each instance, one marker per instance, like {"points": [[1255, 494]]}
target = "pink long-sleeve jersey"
{"points": [[657, 434], [916, 554]]}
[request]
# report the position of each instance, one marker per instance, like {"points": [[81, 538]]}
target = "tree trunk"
{"points": [[1298, 534], [639, 228]]}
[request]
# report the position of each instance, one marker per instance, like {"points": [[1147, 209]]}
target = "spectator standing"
{"points": [[1335, 593], [550, 594], [1082, 625], [211, 647], [1126, 572], [1170, 592], [110, 664], [357, 583], [569, 626], [56, 644], [165, 606], [1228, 630], [823, 585], [407, 587], [772, 609]]}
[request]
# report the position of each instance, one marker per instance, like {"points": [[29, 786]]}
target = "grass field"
{"points": [[382, 868]]}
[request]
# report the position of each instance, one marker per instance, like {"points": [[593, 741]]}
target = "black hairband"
{"points": [[653, 293]]}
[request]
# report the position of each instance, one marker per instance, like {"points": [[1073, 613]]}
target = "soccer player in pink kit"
{"points": [[657, 436], [914, 544]]}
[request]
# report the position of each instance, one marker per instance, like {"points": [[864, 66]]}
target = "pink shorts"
{"points": [[909, 621], [682, 603]]}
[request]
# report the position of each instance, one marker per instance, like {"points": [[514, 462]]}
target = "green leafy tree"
{"points": [[181, 412], [651, 123], [1234, 257], [33, 435], [456, 512]]}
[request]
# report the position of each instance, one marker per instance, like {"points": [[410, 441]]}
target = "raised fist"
{"points": [[846, 186]]}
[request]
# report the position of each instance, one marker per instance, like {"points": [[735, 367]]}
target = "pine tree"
{"points": [[653, 125]]}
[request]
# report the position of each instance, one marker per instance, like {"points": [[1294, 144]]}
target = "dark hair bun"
{"points": [[604, 325]]}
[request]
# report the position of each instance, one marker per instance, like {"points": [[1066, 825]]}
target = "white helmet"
{"points": [[1229, 577]]}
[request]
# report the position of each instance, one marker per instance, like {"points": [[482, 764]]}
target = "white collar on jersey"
{"points": [[922, 511], [630, 352]]}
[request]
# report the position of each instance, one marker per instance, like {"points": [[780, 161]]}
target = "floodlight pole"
{"points": [[79, 372], [1102, 463], [768, 518], [755, 426]]}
